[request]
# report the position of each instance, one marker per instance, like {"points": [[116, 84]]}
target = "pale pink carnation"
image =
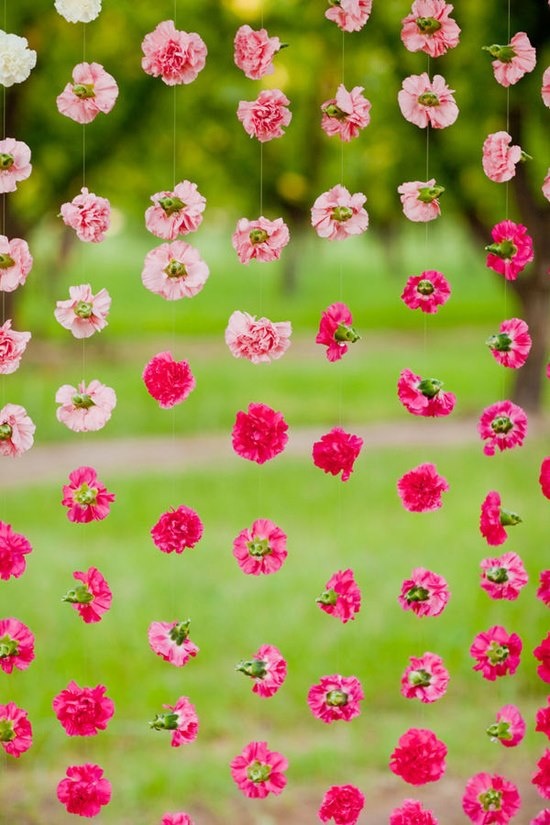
{"points": [[511, 250], [335, 331], [257, 771], [88, 214], [15, 730], [342, 804], [16, 430], [420, 200], [174, 270], [499, 158], [169, 382], [511, 345], [427, 291], [15, 163], [411, 812], [176, 212], [86, 496], [543, 591], [502, 426], [336, 452], [261, 239], [421, 488], [83, 711], [92, 91], [496, 652], [490, 799], [266, 117], [16, 645], [181, 719], [85, 790], [494, 519], [177, 529], [509, 728], [341, 596], [170, 641], [429, 28], [254, 52], [15, 263], [336, 698], [84, 313], [426, 102], [12, 346], [503, 577], [92, 597], [424, 396], [346, 114], [546, 186], [545, 91], [175, 56], [259, 434], [337, 214], [260, 549], [426, 678], [425, 593], [85, 408], [419, 757], [267, 668], [513, 60], [258, 340], [350, 15], [13, 549]]}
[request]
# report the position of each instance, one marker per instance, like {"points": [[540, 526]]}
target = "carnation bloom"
{"points": [[170, 641], [78, 11], [336, 698], [424, 396], [429, 28], [16, 59], [92, 598], [350, 15], [15, 164], [257, 771], [92, 91], [509, 728], [176, 212], [260, 549], [546, 186], [494, 519], [511, 345], [341, 596], [261, 239], [336, 331], [85, 790], [88, 214], [426, 102], [15, 262], [411, 812], [16, 645], [419, 757], [496, 652], [268, 670], [258, 340], [502, 426], [336, 452], [545, 90], [179, 818], [421, 488], [342, 804], [259, 434], [177, 530], [544, 477], [13, 549], [84, 313], [168, 381], [86, 497], [85, 408], [425, 593], [513, 60], [543, 592], [12, 346], [175, 56], [181, 719], [15, 729], [427, 291], [542, 819], [346, 114], [174, 270], [541, 779], [266, 117], [542, 653], [421, 200], [337, 214], [503, 577], [511, 251], [490, 799], [16, 430], [426, 678], [83, 711], [543, 719], [254, 52], [499, 158]]}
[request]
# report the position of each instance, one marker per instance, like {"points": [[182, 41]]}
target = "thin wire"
{"points": [[174, 124]]}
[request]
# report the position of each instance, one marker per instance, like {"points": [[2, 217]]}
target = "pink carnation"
{"points": [[85, 790], [174, 270], [546, 186], [545, 90], [85, 408], [16, 645], [502, 426], [15, 729], [503, 577], [266, 117], [496, 652], [543, 592], [341, 596], [426, 102], [542, 819], [509, 728], [490, 799], [15, 164], [350, 15], [412, 813], [541, 779], [92, 91], [544, 477], [261, 549], [336, 698], [262, 239], [13, 549], [512, 344], [88, 214], [12, 346], [170, 641], [337, 214], [86, 497], [257, 771], [511, 251], [429, 28], [268, 670], [258, 340], [543, 719], [421, 200], [177, 530], [513, 60], [169, 382], [92, 598], [336, 452], [424, 396], [254, 52], [542, 654], [16, 430], [342, 804], [175, 213], [175, 56], [83, 711], [15, 263], [346, 114], [259, 434], [494, 519], [425, 593], [181, 719], [499, 158], [336, 331], [179, 818], [421, 488], [84, 313], [427, 291], [419, 757], [426, 678]]}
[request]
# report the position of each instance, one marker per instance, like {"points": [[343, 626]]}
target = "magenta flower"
{"points": [[511, 345], [494, 519], [16, 430], [543, 719], [545, 89], [541, 779], [12, 347], [92, 598], [170, 641], [177, 529], [16, 645], [496, 652], [411, 812], [429, 28], [181, 719], [513, 60], [258, 340], [336, 452], [174, 270], [426, 102], [336, 698], [543, 592], [13, 549], [342, 804], [257, 771], [84, 313], [179, 818], [503, 577], [337, 214], [427, 291], [254, 52], [425, 593], [421, 199], [420, 489], [268, 670], [350, 15], [88, 214], [176, 212], [509, 728], [261, 549], [15, 262], [490, 799], [15, 164], [336, 331], [266, 117], [15, 729], [83, 711], [85, 408], [262, 239], [424, 396], [419, 757], [259, 434], [542, 653], [169, 382], [175, 56], [502, 426], [92, 91], [86, 497], [544, 477], [499, 158], [85, 790], [511, 251], [542, 819], [426, 678], [341, 596], [346, 114]]}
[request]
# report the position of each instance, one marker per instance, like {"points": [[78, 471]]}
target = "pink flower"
{"points": [[170, 641], [85, 408], [257, 771], [496, 652], [513, 60], [350, 15], [426, 678], [174, 270], [419, 757], [543, 719], [343, 804], [13, 549], [542, 653], [429, 28], [181, 719], [490, 799], [346, 114], [84, 313], [261, 549], [421, 488], [335, 331], [259, 434], [12, 346], [337, 214], [412, 813], [424, 396], [509, 728], [426, 102], [15, 163], [88, 214], [15, 729], [175, 213], [86, 497], [15, 262], [16, 645], [502, 426], [425, 593], [542, 819], [262, 239], [544, 477], [179, 818], [543, 592], [499, 158], [427, 291], [546, 186], [494, 519], [421, 199], [541, 779], [336, 452], [92, 91], [85, 790], [336, 698], [83, 711], [545, 90], [512, 344], [258, 340], [268, 670], [254, 52], [168, 381], [341, 597], [266, 117], [174, 55], [16, 430], [92, 598], [511, 251], [177, 530], [503, 577]]}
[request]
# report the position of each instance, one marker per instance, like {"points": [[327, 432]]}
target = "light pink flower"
{"points": [[169, 382], [16, 645], [546, 186], [342, 804], [512, 344], [350, 15], [177, 529], [545, 91], [254, 52], [541, 779], [490, 798], [542, 653], [503, 577], [83, 711], [544, 477], [424, 396], [257, 771], [511, 251], [261, 549], [346, 114], [177, 212], [421, 488], [509, 728], [262, 239], [427, 291], [426, 678], [502, 426], [16, 430], [259, 434], [513, 60], [336, 452], [496, 652], [84, 313], [335, 331], [13, 549], [258, 340], [266, 117], [92, 91], [494, 519], [15, 729], [85, 790], [181, 719], [85, 408], [170, 641], [421, 200], [92, 598], [12, 346], [499, 158], [88, 214], [341, 596], [15, 263], [543, 719], [15, 163], [174, 270], [425, 593], [336, 698], [543, 591], [175, 56], [336, 214], [180, 818], [419, 757], [411, 812], [86, 497], [426, 102], [268, 670], [429, 28]]}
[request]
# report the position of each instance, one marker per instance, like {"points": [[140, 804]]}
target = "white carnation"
{"points": [[16, 59], [78, 11]]}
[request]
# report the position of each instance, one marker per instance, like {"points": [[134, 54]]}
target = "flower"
{"points": [[427, 291], [15, 164], [545, 90], [346, 114], [341, 596], [503, 577], [84, 313], [78, 11], [336, 452], [513, 60], [181, 719], [425, 593], [429, 28], [86, 497], [12, 346], [268, 670], [13, 549], [174, 270], [179, 818], [170, 641], [490, 798], [511, 251], [258, 340], [509, 728], [168, 381], [544, 477], [16, 645], [254, 52], [15, 262], [257, 771], [261, 549], [421, 488], [512, 344], [266, 117], [542, 653], [88, 214], [543, 719], [335, 698], [499, 158], [335, 331], [176, 212], [496, 652], [419, 757], [502, 425], [543, 592], [494, 519], [261, 239], [546, 185], [425, 678], [175, 56], [16, 430], [83, 711], [16, 59], [259, 434], [85, 408], [15, 729], [350, 15], [412, 813], [177, 529], [92, 598], [85, 790], [424, 396], [426, 102], [421, 199], [541, 779], [337, 214], [92, 91], [343, 804], [542, 819]]}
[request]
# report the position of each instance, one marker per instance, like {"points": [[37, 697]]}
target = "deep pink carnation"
{"points": [[503, 577], [259, 434], [174, 270], [509, 728], [254, 52], [513, 60], [83, 711], [511, 345], [421, 488], [496, 652], [542, 653], [170, 641], [342, 804], [543, 719], [86, 497], [490, 799], [336, 452], [257, 771], [429, 28], [85, 408], [337, 214], [13, 549], [336, 331], [92, 598], [426, 102], [426, 678], [511, 250], [494, 519], [180, 818], [177, 529], [15, 163], [175, 56], [336, 698], [92, 91], [420, 200], [16, 430], [350, 15], [424, 396], [88, 214], [502, 426], [176, 212], [15, 262], [84, 313], [542, 819], [15, 729], [261, 240], [181, 719], [168, 381], [12, 346], [427, 291], [541, 779], [544, 477], [419, 757], [543, 592], [16, 645], [258, 340], [346, 114], [268, 670], [425, 593], [499, 158], [266, 117], [261, 549], [85, 790], [411, 812], [341, 596]]}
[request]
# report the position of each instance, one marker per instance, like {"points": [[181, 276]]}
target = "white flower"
{"points": [[78, 11], [16, 59]]}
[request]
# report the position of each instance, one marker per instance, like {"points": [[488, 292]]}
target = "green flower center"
{"points": [[428, 99], [6, 161], [83, 401], [500, 342], [6, 260], [84, 90], [328, 597], [428, 194], [258, 236], [175, 269], [497, 653], [491, 800], [501, 424], [430, 387], [420, 678], [346, 333], [258, 547], [171, 204], [83, 309], [425, 287], [428, 25], [78, 595], [180, 632], [165, 721], [7, 733], [332, 110], [499, 730], [505, 249], [342, 213], [255, 668], [5, 432], [417, 594], [498, 575], [85, 495], [336, 698], [8, 647], [258, 772]]}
